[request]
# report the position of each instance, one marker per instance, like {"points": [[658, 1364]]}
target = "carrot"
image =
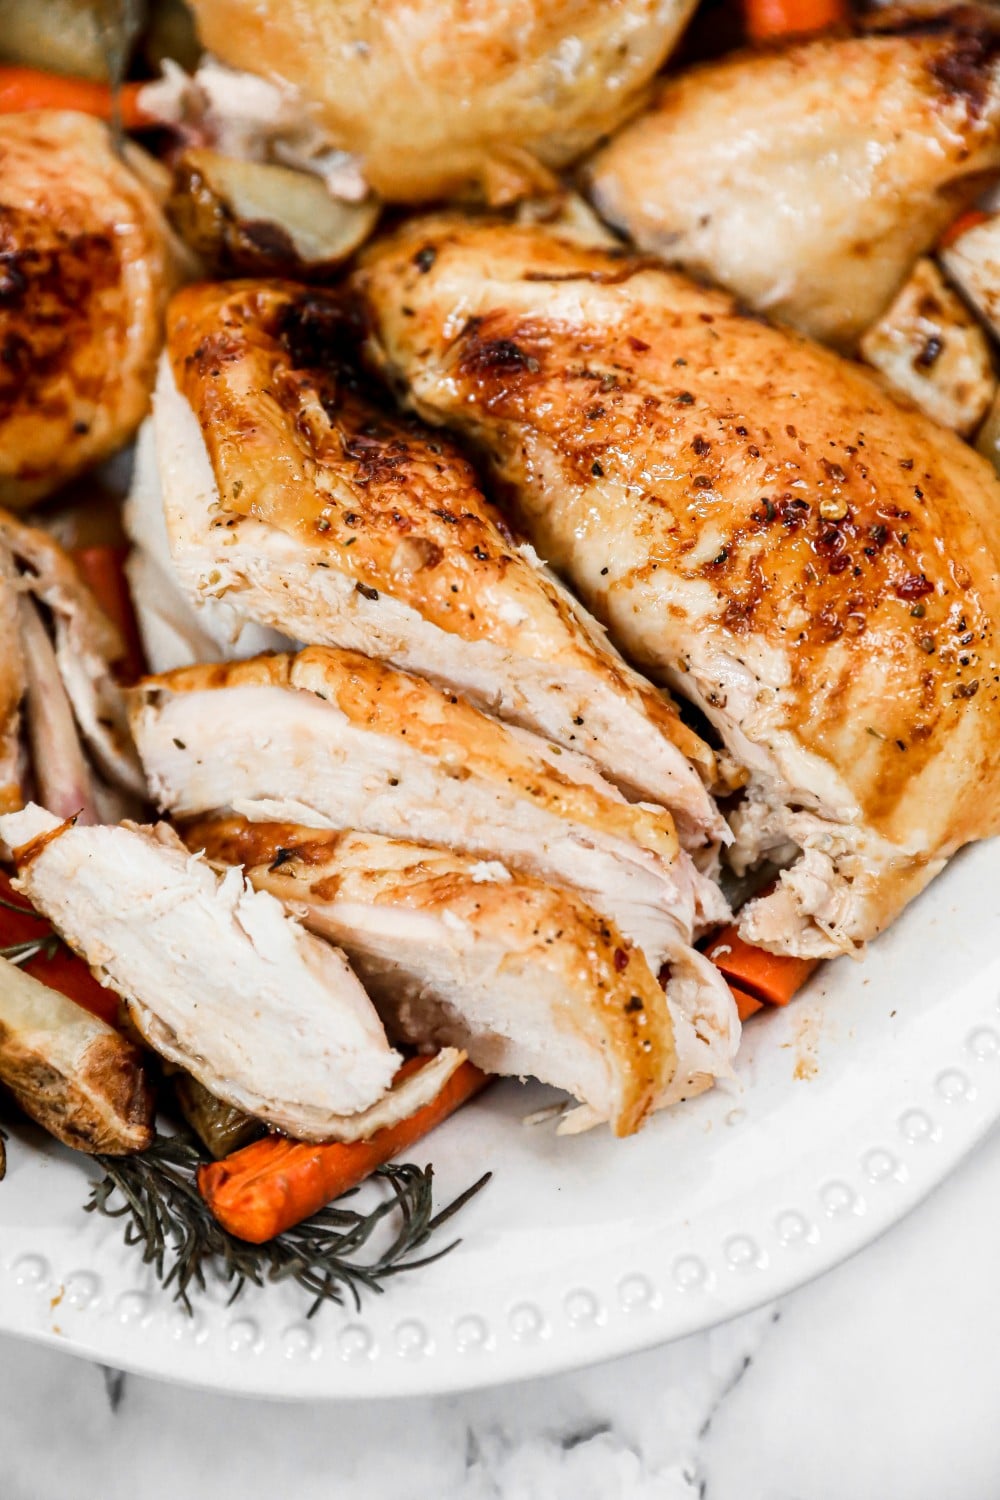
{"points": [[63, 970], [33, 88], [959, 226], [746, 1004], [101, 569], [770, 20], [769, 977], [273, 1184]]}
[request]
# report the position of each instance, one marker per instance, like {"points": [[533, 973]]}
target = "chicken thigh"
{"points": [[430, 97], [809, 180], [813, 564], [86, 266]]}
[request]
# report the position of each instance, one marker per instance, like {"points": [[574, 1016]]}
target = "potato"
{"points": [[256, 218], [929, 347], [82, 38], [71, 1072], [973, 264]]}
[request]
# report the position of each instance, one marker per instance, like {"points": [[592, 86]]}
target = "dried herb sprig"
{"points": [[47, 944], [183, 1243]]}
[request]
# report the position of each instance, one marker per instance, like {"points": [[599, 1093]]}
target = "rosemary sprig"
{"points": [[182, 1241], [47, 944]]}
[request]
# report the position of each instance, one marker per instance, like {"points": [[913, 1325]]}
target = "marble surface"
{"points": [[879, 1380]]}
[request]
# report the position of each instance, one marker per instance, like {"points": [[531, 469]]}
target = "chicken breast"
{"points": [[292, 499], [430, 97], [811, 563], [525, 977], [64, 730], [86, 271], [809, 180], [217, 977], [331, 739], [178, 628]]}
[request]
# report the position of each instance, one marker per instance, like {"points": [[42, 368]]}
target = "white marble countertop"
{"points": [[877, 1381]]}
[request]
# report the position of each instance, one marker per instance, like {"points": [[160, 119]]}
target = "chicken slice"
{"points": [[294, 500], [13, 684], [332, 739], [87, 267], [809, 180], [811, 563], [216, 976], [425, 98], [177, 629], [525, 977]]}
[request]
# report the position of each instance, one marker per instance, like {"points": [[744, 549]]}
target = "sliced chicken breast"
{"points": [[217, 977], [332, 739], [13, 683], [178, 627], [812, 563], [809, 180], [294, 500], [525, 977]]}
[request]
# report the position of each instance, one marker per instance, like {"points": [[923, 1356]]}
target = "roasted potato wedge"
{"points": [[929, 347], [83, 38], [71, 1072], [261, 219], [973, 263]]}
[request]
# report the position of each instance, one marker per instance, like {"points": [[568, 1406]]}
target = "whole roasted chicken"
{"points": [[813, 564]]}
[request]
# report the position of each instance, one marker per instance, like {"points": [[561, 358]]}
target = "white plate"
{"points": [[851, 1105]]}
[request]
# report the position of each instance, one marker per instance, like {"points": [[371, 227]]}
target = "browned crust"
{"points": [[105, 1108]]}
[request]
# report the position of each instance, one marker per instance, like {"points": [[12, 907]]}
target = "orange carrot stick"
{"points": [[64, 971], [101, 569], [770, 977], [959, 226], [769, 20], [272, 1185], [34, 88]]}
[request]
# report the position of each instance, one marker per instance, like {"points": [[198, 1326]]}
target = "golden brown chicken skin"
{"points": [[330, 518], [809, 180], [813, 563], [432, 97], [85, 270]]}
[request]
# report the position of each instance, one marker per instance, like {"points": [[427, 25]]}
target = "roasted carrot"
{"points": [[274, 1184], [959, 226], [770, 977], [769, 20], [746, 1004], [55, 965], [101, 568], [33, 88]]}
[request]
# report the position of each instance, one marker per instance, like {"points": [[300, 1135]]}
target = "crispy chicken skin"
{"points": [[434, 96], [217, 977], [293, 499], [808, 181], [332, 739], [85, 271], [812, 563], [525, 977]]}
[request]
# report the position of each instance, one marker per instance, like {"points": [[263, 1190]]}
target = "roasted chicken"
{"points": [[809, 180], [525, 977], [217, 977], [63, 731], [330, 739], [758, 523], [86, 265], [293, 500], [429, 97]]}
